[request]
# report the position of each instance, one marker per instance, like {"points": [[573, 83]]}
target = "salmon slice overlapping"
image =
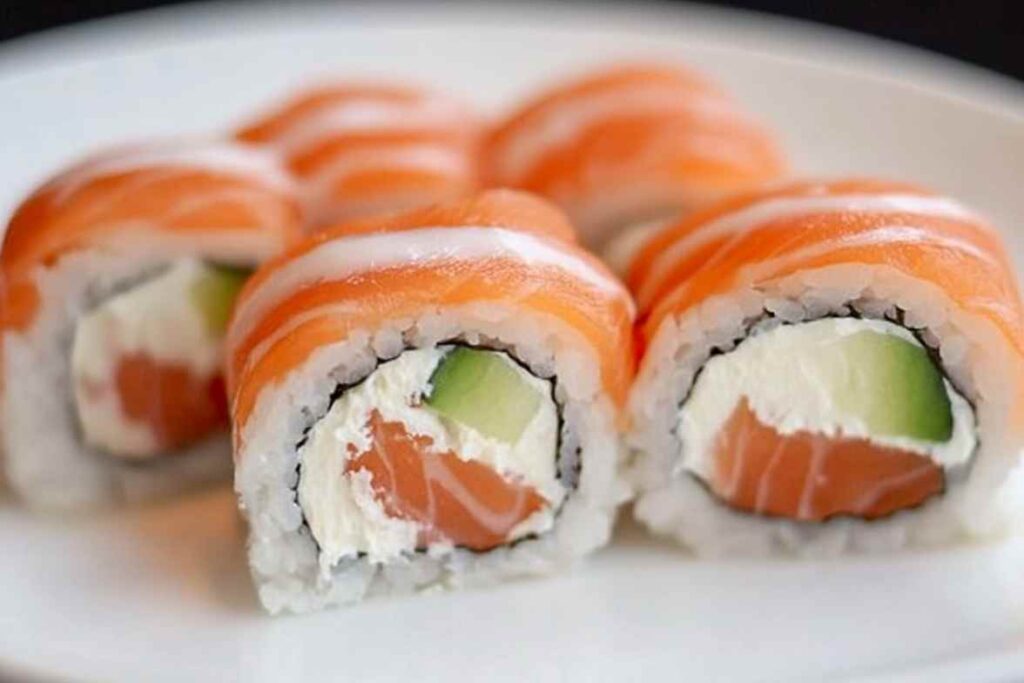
{"points": [[758, 242], [500, 248], [764, 236], [214, 202], [631, 143], [365, 149]]}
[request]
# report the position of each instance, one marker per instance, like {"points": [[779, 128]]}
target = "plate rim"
{"points": [[849, 53]]}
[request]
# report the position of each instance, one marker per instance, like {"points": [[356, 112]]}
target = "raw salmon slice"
{"points": [[629, 144], [360, 150], [178, 406], [456, 500], [810, 477]]}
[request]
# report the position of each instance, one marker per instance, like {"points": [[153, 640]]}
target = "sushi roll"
{"points": [[362, 149], [427, 400], [630, 145], [116, 280], [827, 367]]}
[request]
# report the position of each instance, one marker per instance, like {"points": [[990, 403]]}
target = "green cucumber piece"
{"points": [[485, 392], [214, 293], [892, 384]]}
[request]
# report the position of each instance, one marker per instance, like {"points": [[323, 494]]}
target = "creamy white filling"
{"points": [[160, 319], [779, 373], [340, 508]]}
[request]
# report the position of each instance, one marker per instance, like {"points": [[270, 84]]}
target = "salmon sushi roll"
{"points": [[828, 367], [116, 281], [431, 399], [361, 149], [629, 146]]}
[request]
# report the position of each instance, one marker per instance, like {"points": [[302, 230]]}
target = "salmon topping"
{"points": [[811, 476]]}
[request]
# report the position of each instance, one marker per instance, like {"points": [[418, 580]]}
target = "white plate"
{"points": [[163, 592]]}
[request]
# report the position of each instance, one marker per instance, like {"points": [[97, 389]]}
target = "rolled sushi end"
{"points": [[833, 417], [438, 448], [145, 364]]}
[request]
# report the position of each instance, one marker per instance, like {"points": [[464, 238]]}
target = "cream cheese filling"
{"points": [[778, 371], [158, 319], [344, 515]]}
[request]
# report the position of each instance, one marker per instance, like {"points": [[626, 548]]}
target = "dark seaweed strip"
{"points": [[336, 393]]}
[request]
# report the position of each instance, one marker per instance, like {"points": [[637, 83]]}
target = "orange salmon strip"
{"points": [[962, 256], [615, 150], [361, 149], [975, 278], [810, 477], [640, 265], [605, 82], [455, 500], [492, 208], [317, 99], [177, 406], [621, 145]]}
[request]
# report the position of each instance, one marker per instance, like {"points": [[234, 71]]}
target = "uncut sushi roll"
{"points": [[360, 149], [630, 145], [427, 400], [116, 280], [827, 367]]}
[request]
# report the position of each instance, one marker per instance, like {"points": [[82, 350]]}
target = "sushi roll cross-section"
{"points": [[431, 399], [118, 279], [446, 446], [146, 363], [827, 366], [836, 416]]}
